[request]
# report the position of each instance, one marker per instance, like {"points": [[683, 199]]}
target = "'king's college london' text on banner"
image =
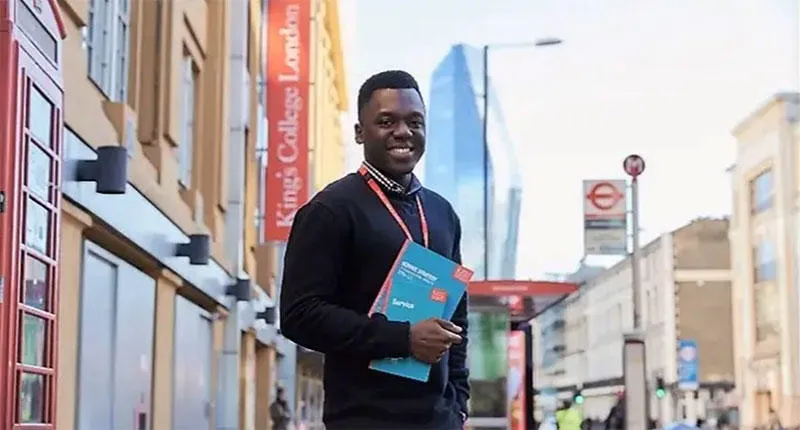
{"points": [[288, 52]]}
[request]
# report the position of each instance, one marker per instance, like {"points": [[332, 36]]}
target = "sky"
{"points": [[666, 79]]}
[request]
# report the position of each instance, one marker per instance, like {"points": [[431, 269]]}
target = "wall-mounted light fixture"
{"points": [[198, 249], [109, 171], [241, 289], [267, 315]]}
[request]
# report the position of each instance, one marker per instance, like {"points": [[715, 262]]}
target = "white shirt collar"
{"points": [[385, 181]]}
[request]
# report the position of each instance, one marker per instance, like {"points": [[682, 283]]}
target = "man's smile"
{"points": [[401, 153]]}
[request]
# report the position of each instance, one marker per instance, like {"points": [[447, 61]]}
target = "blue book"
{"points": [[422, 266], [434, 284], [412, 303]]}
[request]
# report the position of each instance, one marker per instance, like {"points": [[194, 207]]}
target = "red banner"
{"points": [[516, 381], [288, 70]]}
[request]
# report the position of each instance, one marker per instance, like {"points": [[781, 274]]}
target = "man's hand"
{"points": [[431, 338]]}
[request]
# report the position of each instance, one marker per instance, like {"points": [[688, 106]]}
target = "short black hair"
{"points": [[389, 79]]}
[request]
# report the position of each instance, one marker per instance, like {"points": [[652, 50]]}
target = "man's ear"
{"points": [[359, 133]]}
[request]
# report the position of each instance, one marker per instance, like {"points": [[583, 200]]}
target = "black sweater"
{"points": [[341, 247]]}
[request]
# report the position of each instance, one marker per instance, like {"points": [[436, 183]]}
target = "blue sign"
{"points": [[687, 365]]}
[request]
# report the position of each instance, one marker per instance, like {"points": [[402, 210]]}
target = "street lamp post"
{"points": [[550, 41]]}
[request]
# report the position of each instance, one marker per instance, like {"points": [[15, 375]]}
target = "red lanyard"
{"points": [[385, 200]]}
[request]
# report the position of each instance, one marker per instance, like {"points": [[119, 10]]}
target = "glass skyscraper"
{"points": [[454, 167], [455, 161]]}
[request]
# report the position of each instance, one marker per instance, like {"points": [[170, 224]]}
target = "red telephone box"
{"points": [[31, 105]]}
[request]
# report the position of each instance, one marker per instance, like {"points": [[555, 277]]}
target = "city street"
{"points": [[211, 213]]}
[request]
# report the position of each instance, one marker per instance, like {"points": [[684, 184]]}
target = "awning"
{"points": [[524, 299]]}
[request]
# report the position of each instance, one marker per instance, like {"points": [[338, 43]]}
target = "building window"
{"points": [[261, 158], [762, 189], [186, 144], [107, 44], [765, 292], [764, 265], [767, 311]]}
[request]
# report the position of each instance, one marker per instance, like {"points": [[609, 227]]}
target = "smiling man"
{"points": [[342, 246]]}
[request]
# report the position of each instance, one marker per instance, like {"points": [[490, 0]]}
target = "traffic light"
{"points": [[660, 391], [578, 398]]}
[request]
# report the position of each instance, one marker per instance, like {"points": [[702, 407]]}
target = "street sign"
{"points": [[633, 165], [604, 217], [604, 196], [687, 365]]}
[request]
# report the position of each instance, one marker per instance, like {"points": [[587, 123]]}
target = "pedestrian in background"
{"points": [[279, 411], [569, 417], [342, 245], [616, 416], [774, 421]]}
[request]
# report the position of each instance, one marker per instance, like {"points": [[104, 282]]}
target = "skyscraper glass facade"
{"points": [[455, 161]]}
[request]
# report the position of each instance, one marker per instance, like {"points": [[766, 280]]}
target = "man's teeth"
{"points": [[400, 150]]}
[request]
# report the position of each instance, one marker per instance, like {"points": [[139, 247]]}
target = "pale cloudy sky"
{"points": [[667, 79]]}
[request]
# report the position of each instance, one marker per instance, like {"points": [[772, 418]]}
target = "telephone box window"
{"points": [[38, 172], [35, 294], [37, 226], [31, 398], [33, 337], [40, 116]]}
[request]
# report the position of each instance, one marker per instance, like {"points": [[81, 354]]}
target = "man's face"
{"points": [[392, 129]]}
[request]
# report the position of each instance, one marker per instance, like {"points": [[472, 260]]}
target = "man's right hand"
{"points": [[431, 338]]}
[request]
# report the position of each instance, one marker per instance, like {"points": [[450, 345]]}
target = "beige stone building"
{"points": [[133, 285], [166, 81], [764, 257]]}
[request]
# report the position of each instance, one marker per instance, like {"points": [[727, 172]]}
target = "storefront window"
{"points": [[488, 362]]}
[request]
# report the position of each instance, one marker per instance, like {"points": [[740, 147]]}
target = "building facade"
{"points": [[685, 282], [562, 338], [764, 254], [133, 282], [328, 98], [456, 164]]}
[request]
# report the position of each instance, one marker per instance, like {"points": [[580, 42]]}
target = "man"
{"points": [[279, 411], [774, 420], [340, 250], [616, 416], [568, 417]]}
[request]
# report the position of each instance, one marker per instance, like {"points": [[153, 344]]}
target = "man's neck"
{"points": [[402, 181]]}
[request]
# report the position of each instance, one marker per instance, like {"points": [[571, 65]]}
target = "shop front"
{"points": [[115, 348], [499, 352]]}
